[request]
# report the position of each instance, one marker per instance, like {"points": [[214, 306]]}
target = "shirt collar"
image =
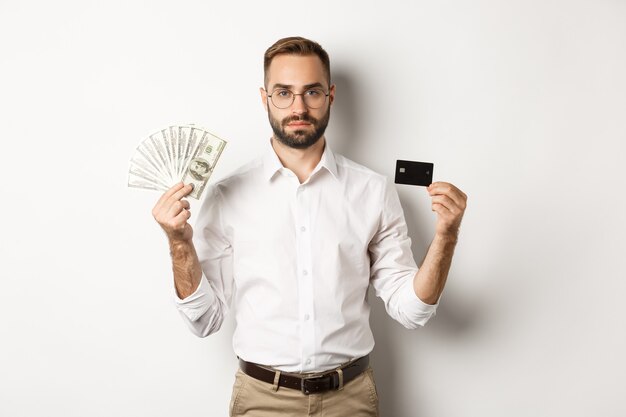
{"points": [[271, 163]]}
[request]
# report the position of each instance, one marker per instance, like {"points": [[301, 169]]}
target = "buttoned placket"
{"points": [[305, 274]]}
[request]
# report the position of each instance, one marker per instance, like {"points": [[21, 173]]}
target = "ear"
{"points": [[331, 94], [263, 97]]}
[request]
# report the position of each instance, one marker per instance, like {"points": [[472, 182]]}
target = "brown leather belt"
{"points": [[330, 380]]}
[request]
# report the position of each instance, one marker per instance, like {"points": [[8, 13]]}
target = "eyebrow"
{"points": [[306, 87]]}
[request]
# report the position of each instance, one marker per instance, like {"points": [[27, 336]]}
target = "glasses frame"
{"points": [[293, 98]]}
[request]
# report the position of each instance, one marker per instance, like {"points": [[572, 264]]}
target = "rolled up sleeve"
{"points": [[196, 304], [205, 309], [393, 268]]}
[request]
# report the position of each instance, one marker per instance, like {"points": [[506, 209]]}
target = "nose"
{"points": [[298, 106]]}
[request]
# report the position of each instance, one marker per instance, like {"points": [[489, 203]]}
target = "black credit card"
{"points": [[414, 173]]}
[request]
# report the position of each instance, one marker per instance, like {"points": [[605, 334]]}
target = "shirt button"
{"points": [[305, 272], [308, 361], [303, 229], [306, 317]]}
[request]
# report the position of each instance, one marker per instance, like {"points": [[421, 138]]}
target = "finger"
{"points": [[445, 188], [175, 220], [440, 209], [166, 195], [446, 202], [182, 217], [441, 187], [443, 214], [175, 208], [181, 192]]}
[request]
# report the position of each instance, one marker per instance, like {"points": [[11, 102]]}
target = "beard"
{"points": [[300, 138]]}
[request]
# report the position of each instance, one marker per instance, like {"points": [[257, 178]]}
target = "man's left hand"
{"points": [[449, 203]]}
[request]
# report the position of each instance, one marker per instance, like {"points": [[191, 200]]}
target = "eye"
{"points": [[282, 93], [313, 93]]}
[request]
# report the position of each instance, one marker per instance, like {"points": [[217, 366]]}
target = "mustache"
{"points": [[301, 118]]}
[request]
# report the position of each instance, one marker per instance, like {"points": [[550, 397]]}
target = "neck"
{"points": [[300, 161]]}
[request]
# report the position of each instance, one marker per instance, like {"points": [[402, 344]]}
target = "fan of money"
{"points": [[185, 153]]}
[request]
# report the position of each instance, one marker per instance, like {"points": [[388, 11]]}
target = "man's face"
{"points": [[198, 167], [297, 126]]}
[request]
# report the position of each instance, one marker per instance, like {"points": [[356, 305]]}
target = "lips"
{"points": [[299, 122]]}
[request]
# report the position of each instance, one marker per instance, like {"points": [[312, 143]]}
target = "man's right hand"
{"points": [[172, 213]]}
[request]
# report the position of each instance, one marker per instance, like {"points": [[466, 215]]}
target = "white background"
{"points": [[522, 104]]}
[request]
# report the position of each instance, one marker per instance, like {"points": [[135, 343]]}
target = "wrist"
{"points": [[177, 245], [447, 237]]}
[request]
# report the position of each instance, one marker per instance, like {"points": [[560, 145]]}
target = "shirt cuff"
{"points": [[415, 309], [196, 304]]}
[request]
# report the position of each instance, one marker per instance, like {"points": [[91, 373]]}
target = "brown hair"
{"points": [[296, 45]]}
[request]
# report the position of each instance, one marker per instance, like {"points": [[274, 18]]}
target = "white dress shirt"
{"points": [[294, 261]]}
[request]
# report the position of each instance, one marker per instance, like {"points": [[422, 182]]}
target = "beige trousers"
{"points": [[254, 398]]}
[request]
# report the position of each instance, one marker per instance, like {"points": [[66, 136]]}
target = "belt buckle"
{"points": [[333, 383]]}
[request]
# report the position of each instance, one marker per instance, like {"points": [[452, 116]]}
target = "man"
{"points": [[292, 241], [199, 169]]}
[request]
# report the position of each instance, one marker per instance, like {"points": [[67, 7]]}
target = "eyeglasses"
{"points": [[314, 98]]}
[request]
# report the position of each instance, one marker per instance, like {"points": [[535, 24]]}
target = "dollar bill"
{"points": [[136, 182], [176, 153], [203, 163]]}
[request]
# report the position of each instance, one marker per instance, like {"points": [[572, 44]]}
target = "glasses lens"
{"points": [[282, 98], [314, 98]]}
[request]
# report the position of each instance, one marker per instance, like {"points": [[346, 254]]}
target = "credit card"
{"points": [[414, 173]]}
